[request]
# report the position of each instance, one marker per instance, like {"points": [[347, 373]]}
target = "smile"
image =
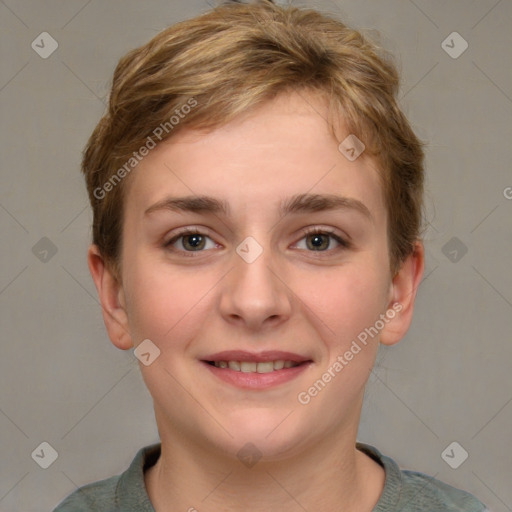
{"points": [[253, 366], [256, 371]]}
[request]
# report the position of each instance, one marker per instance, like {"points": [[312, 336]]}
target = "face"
{"points": [[257, 246]]}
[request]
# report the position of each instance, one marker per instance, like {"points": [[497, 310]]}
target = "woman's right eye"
{"points": [[190, 241]]}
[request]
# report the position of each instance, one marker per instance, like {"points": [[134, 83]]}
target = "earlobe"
{"points": [[111, 295], [404, 287]]}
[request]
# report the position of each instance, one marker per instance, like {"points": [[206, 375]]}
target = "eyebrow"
{"points": [[196, 204], [300, 203], [309, 203]]}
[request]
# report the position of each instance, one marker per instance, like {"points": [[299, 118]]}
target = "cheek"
{"points": [[346, 300], [164, 305]]}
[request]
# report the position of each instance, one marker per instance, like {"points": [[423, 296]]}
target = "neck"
{"points": [[330, 475]]}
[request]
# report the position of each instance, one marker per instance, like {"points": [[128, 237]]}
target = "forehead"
{"points": [[279, 149]]}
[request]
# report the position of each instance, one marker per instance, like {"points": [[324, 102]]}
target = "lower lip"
{"points": [[256, 380]]}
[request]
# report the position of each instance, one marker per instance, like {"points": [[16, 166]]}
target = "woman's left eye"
{"points": [[321, 241]]}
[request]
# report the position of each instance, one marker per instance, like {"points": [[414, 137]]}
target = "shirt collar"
{"points": [[131, 493]]}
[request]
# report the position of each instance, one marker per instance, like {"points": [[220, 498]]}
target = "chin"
{"points": [[266, 434]]}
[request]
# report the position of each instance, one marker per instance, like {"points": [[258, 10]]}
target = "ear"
{"points": [[111, 295], [402, 296]]}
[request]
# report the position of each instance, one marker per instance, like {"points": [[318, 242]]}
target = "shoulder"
{"points": [[120, 493], [96, 496], [436, 496], [412, 491]]}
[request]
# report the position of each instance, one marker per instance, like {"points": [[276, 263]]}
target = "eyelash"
{"points": [[344, 244]]}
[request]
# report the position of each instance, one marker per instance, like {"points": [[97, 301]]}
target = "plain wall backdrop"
{"points": [[61, 380]]}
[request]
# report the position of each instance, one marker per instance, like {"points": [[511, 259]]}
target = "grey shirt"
{"points": [[404, 491]]}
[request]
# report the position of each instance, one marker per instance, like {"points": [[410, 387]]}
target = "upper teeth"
{"points": [[251, 366]]}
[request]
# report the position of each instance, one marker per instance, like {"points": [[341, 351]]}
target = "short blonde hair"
{"points": [[237, 56]]}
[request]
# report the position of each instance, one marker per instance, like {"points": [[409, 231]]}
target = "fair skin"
{"points": [[193, 303]]}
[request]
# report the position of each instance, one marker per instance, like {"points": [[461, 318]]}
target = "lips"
{"points": [[253, 370], [255, 367], [255, 357]]}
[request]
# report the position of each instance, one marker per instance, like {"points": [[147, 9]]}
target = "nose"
{"points": [[255, 294]]}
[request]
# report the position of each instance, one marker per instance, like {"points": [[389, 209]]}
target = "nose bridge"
{"points": [[254, 293]]}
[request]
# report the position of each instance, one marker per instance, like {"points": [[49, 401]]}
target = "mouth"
{"points": [[254, 366], [256, 370]]}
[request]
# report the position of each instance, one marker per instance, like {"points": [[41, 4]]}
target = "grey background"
{"points": [[61, 380]]}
